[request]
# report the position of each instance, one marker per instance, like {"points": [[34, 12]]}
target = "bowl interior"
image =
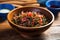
{"points": [[41, 10]]}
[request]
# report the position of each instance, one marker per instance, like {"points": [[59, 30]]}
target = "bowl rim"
{"points": [[30, 27], [8, 4], [49, 6]]}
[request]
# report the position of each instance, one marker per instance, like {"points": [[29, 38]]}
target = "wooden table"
{"points": [[7, 33]]}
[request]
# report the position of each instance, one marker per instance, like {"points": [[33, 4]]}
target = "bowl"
{"points": [[29, 32], [54, 7], [4, 10]]}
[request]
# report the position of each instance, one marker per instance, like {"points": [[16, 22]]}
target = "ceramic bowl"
{"points": [[29, 32], [4, 10]]}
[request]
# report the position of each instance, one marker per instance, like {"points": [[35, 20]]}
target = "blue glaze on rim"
{"points": [[49, 3]]}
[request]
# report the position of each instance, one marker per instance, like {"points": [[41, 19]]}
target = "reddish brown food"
{"points": [[29, 19]]}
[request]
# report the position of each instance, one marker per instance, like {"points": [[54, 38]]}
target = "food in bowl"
{"points": [[4, 11], [29, 19], [54, 6]]}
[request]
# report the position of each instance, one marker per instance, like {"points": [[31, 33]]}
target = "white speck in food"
{"points": [[4, 10]]}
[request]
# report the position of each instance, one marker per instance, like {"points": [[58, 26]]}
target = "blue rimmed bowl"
{"points": [[55, 9], [4, 10]]}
